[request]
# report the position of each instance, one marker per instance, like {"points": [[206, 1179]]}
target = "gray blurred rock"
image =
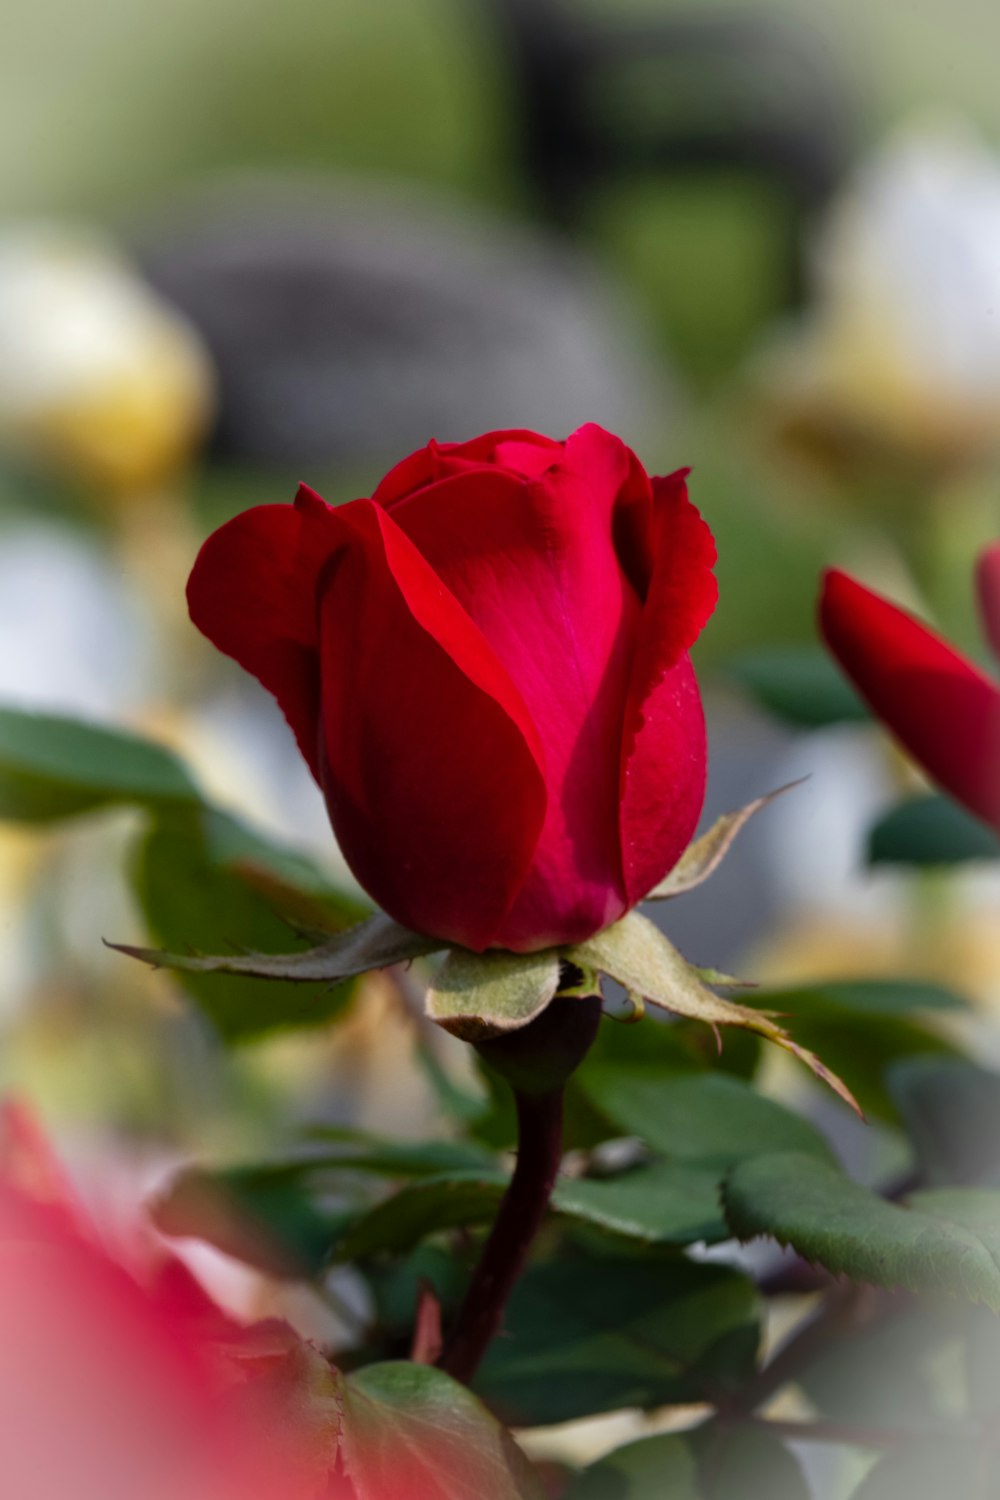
{"points": [[352, 324]]}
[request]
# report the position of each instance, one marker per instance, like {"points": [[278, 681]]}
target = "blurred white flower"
{"points": [[98, 375], [75, 636], [903, 343]]}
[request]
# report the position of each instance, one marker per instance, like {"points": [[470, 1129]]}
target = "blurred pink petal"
{"points": [[988, 581], [112, 1390]]}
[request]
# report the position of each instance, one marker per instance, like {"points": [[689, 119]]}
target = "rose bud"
{"points": [[937, 703], [486, 668]]}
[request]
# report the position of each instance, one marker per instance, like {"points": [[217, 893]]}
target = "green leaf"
{"points": [[396, 1286], [656, 1468], [287, 879], [361, 1151], [636, 954], [672, 1045], [863, 998], [862, 1052], [409, 1430], [495, 1125], [974, 1208], [928, 1470], [826, 1217], [861, 1027], [480, 995], [981, 1361], [657, 1042], [265, 1220], [701, 859], [593, 1334], [951, 1110], [268, 1213], [54, 767], [798, 684], [735, 1463], [930, 831], [740, 1052], [304, 1402], [665, 1203], [706, 1119], [187, 898], [710, 1463], [885, 1369], [451, 1200], [381, 1433]]}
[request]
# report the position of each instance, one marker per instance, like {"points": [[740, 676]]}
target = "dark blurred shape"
{"points": [[605, 97], [350, 325]]}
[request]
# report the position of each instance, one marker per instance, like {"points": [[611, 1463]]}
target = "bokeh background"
{"points": [[243, 244]]}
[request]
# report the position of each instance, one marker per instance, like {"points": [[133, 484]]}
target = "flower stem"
{"points": [[522, 1210]]}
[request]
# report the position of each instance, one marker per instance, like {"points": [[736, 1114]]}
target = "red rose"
{"points": [[941, 707], [485, 666]]}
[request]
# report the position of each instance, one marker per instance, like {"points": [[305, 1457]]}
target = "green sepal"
{"points": [[373, 944], [53, 766], [480, 995], [636, 954], [704, 856]]}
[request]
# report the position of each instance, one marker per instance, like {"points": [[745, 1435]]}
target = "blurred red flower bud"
{"points": [[939, 705], [486, 667]]}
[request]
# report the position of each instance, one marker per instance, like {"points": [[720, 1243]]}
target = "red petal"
{"points": [[535, 566], [608, 465], [252, 592], [663, 751], [511, 446], [988, 581], [431, 758], [941, 707], [517, 448]]}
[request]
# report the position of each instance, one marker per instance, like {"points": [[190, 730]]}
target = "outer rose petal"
{"points": [[253, 593], [535, 565], [431, 760], [519, 449], [941, 707], [663, 750], [988, 581], [608, 466]]}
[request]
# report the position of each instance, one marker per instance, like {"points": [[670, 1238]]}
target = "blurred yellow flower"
{"points": [[99, 377]]}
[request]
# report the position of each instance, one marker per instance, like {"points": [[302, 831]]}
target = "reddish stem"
{"points": [[427, 1341], [520, 1216]]}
